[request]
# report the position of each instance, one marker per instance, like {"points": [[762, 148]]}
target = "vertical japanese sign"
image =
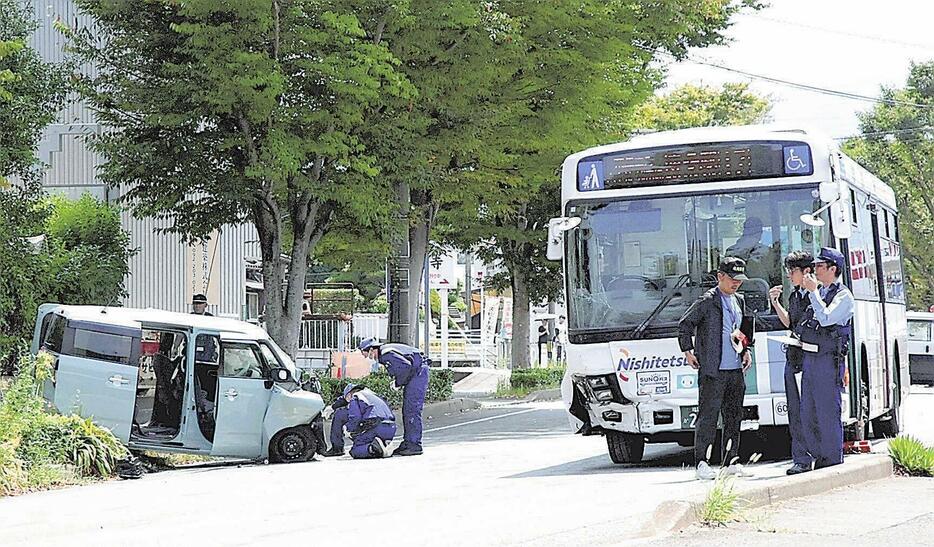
{"points": [[202, 270]]}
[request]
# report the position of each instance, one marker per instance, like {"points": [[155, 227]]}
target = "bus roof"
{"points": [[133, 317], [821, 144]]}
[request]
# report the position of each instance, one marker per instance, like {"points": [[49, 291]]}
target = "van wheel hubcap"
{"points": [[293, 446]]}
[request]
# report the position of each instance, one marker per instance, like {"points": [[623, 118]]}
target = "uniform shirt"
{"points": [[366, 407], [402, 362], [732, 317], [838, 312]]}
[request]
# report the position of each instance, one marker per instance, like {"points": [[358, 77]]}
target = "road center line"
{"points": [[487, 419]]}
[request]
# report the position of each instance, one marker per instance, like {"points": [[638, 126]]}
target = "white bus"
{"points": [[645, 225]]}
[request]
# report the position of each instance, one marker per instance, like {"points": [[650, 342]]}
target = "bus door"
{"points": [[877, 248]]}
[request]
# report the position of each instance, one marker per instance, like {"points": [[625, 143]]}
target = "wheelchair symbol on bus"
{"points": [[793, 163], [797, 159]]}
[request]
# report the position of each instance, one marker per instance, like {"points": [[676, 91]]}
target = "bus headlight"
{"points": [[598, 382]]}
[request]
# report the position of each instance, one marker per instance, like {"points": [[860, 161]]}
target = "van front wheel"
{"points": [[625, 447], [295, 444]]}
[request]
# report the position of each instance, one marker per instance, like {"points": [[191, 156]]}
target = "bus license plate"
{"points": [[689, 417]]}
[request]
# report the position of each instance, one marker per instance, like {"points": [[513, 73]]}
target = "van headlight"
{"points": [[603, 395], [598, 382]]}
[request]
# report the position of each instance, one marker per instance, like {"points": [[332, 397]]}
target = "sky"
{"points": [[854, 46]]}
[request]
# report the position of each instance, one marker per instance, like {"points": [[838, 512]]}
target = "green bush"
{"points": [[536, 378], [39, 449], [440, 387], [83, 260], [911, 456]]}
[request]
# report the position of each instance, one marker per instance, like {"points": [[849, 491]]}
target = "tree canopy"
{"points": [[703, 106], [897, 144]]}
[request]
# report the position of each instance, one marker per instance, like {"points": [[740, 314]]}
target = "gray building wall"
{"points": [[157, 276]]}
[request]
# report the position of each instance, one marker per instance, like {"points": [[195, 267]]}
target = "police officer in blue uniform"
{"points": [[368, 419], [827, 326], [797, 265], [409, 371]]}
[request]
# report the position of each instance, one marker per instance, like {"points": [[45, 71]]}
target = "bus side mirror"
{"points": [[556, 228]]}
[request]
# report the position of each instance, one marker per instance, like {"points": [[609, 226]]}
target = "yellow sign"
{"points": [[455, 347]]}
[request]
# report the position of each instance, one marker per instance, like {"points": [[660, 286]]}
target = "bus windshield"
{"points": [[636, 265]]}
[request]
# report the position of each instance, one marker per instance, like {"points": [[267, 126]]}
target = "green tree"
{"points": [[703, 106], [585, 68], [90, 252], [254, 110], [458, 54], [897, 144], [55, 250], [30, 93]]}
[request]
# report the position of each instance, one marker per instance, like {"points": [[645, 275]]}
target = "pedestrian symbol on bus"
{"points": [[797, 160], [590, 175]]}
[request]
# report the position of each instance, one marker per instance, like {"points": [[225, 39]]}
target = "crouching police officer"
{"points": [[827, 326], [368, 419], [409, 371]]}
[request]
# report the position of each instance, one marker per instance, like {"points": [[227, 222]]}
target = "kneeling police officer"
{"points": [[368, 419]]}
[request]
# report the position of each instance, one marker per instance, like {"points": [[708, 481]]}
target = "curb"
{"points": [[674, 516], [543, 395], [451, 406]]}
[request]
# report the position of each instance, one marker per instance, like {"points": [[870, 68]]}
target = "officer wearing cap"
{"points": [[797, 265], [826, 333], [199, 305], [716, 340], [409, 371], [368, 419]]}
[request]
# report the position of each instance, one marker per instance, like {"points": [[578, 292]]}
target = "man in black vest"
{"points": [[828, 328], [797, 265], [716, 340]]}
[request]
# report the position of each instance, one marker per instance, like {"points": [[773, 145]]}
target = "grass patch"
{"points": [[39, 449], [722, 504], [912, 457]]}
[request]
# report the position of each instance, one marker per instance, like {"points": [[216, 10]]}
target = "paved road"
{"points": [[505, 475]]}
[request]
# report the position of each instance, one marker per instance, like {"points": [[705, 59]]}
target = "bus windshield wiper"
{"points": [[639, 331]]}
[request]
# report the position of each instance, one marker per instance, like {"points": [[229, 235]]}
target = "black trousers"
{"points": [[721, 394]]}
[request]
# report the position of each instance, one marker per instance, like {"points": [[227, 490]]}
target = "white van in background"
{"points": [[921, 347]]}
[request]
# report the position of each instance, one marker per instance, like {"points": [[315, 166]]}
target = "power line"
{"points": [[805, 87], [841, 32], [886, 133]]}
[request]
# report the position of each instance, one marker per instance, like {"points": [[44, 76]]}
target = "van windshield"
{"points": [[919, 330]]}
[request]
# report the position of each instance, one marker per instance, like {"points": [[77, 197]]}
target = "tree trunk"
{"points": [[284, 288], [418, 248], [520, 319]]}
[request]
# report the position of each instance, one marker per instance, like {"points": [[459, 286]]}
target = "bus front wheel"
{"points": [[887, 425], [625, 447]]}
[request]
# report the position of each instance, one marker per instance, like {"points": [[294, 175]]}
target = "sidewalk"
{"points": [[891, 511]]}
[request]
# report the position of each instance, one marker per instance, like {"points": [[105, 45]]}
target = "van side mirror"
{"points": [[280, 374]]}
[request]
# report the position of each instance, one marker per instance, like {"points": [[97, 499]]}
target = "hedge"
{"points": [[440, 387], [537, 378]]}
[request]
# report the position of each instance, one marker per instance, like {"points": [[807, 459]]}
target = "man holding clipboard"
{"points": [[715, 335], [797, 265]]}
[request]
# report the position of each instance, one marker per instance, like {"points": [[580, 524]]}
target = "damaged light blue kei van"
{"points": [[173, 382]]}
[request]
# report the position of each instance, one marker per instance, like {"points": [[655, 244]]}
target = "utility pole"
{"points": [[397, 286]]}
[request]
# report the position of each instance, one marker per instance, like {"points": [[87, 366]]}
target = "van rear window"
{"points": [[102, 346]]}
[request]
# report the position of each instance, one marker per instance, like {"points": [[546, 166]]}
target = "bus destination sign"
{"points": [[695, 163]]}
